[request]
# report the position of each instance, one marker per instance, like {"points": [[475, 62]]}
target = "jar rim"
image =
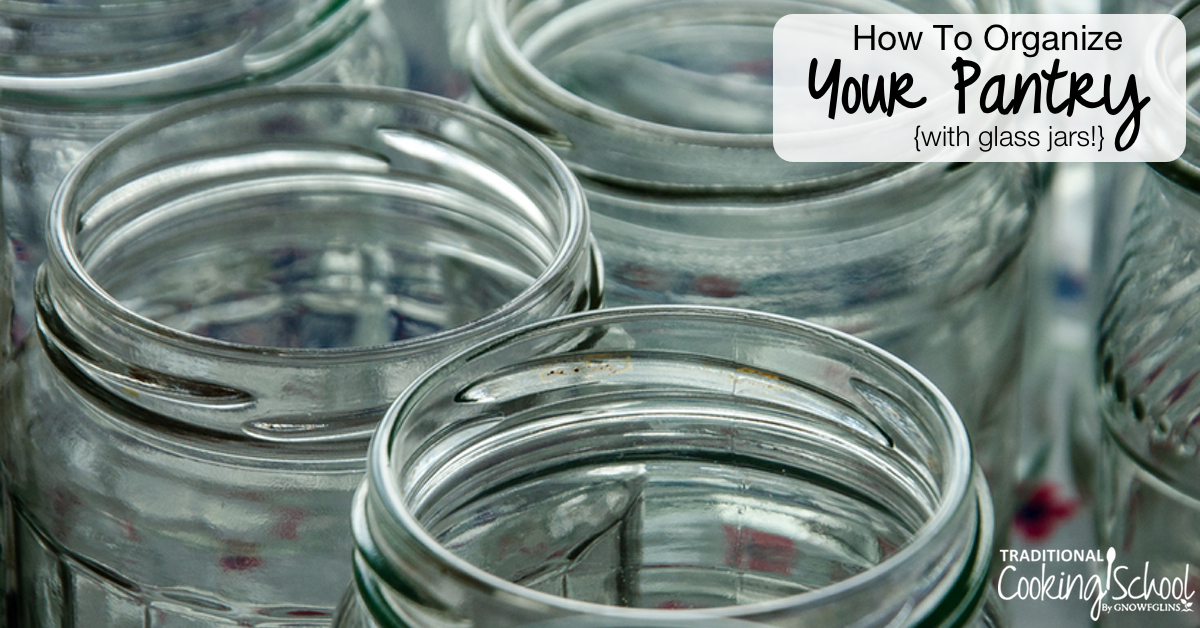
{"points": [[64, 214], [140, 88], [496, 17], [510, 82], [382, 481]]}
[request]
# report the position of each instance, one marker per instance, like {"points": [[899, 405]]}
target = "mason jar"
{"points": [[1148, 491], [671, 466], [663, 109], [71, 73], [235, 290]]}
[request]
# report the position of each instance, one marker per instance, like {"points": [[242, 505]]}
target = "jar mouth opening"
{"points": [[541, 39], [407, 503], [120, 195], [604, 80], [497, 17], [124, 55]]}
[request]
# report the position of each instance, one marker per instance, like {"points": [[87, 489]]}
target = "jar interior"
{"points": [[691, 521], [281, 238], [669, 477]]}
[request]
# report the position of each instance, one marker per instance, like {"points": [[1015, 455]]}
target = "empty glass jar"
{"points": [[236, 290], [1148, 491], [71, 73], [663, 108], [671, 466]]}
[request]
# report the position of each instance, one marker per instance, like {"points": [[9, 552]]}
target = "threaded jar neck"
{"points": [[278, 264], [786, 473], [1145, 346]]}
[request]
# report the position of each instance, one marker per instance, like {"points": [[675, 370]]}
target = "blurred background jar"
{"points": [[663, 108], [7, 372], [1148, 492], [71, 73], [425, 30], [671, 466], [1137, 6], [236, 290]]}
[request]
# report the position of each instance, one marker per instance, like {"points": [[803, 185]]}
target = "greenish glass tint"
{"points": [[72, 73], [663, 109], [236, 290], [1136, 6], [671, 466]]}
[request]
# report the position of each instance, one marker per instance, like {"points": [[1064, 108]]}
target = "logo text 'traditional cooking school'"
{"points": [[1108, 585]]}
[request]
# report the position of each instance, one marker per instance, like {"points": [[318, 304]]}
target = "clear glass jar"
{"points": [[72, 73], [663, 108], [236, 289], [1118, 190], [671, 466], [1148, 469]]}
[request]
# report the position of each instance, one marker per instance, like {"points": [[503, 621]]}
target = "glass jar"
{"points": [[72, 73], [1118, 189], [1148, 487], [671, 466], [663, 109], [235, 291]]}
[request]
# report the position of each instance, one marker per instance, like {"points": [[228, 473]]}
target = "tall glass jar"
{"points": [[663, 108], [235, 290], [1148, 469], [671, 466], [71, 73], [1118, 191]]}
